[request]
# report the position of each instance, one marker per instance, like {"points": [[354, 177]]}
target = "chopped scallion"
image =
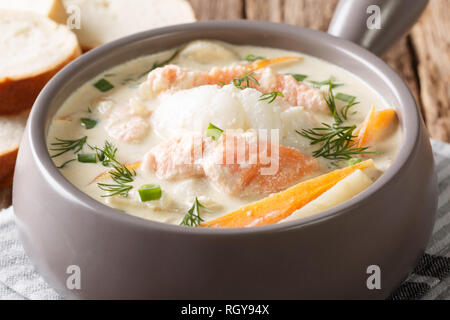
{"points": [[297, 76], [213, 132], [252, 58], [103, 85], [149, 192], [329, 82], [87, 157], [88, 123], [353, 161], [344, 97]]}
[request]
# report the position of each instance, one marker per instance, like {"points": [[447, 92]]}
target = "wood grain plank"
{"points": [[317, 14], [218, 9], [314, 14], [267, 10], [431, 40], [401, 58]]}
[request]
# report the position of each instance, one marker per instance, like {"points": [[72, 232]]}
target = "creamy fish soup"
{"points": [[217, 135]]}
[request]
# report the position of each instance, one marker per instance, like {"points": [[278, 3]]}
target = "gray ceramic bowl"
{"points": [[324, 256]]}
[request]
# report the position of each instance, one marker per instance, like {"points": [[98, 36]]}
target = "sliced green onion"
{"points": [[103, 85], [297, 76], [353, 161], [87, 157], [329, 82], [252, 58], [213, 132], [88, 123], [149, 192], [344, 97]]}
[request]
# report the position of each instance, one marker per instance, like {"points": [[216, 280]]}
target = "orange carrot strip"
{"points": [[278, 206], [374, 125], [106, 174], [268, 62], [67, 117]]}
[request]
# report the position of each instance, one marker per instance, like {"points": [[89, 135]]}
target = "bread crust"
{"points": [[17, 95], [7, 164]]}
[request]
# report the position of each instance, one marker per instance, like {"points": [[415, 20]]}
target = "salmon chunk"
{"points": [[176, 158], [237, 164], [174, 78]]}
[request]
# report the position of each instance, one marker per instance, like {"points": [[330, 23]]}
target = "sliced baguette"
{"points": [[11, 131], [52, 9], [34, 48], [106, 20]]}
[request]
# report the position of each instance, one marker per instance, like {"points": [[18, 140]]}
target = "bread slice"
{"points": [[33, 48], [52, 9], [11, 131], [106, 20]]}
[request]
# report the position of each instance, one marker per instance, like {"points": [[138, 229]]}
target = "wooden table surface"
{"points": [[422, 57]]}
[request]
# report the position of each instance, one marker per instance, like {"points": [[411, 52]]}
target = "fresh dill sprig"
{"points": [[161, 64], [341, 116], [115, 189], [120, 174], [134, 81], [192, 217], [271, 96], [107, 155], [337, 141], [244, 82], [351, 102], [332, 106], [66, 163], [64, 146]]}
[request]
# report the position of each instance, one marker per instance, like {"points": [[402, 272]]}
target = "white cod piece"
{"points": [[295, 119], [226, 107], [259, 113]]}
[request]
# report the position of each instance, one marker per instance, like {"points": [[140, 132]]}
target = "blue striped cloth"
{"points": [[430, 279]]}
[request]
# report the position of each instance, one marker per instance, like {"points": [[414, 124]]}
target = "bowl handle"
{"points": [[375, 24]]}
